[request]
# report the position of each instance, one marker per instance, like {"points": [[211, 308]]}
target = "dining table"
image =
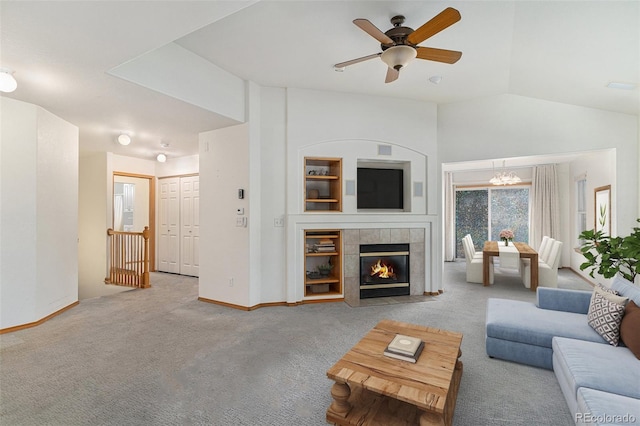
{"points": [[491, 249]]}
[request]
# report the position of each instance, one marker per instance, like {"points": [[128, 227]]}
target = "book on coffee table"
{"points": [[403, 347]]}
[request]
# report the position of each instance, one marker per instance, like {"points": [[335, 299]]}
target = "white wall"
{"points": [[351, 126], [39, 214], [515, 126], [273, 159], [224, 248], [186, 165], [599, 168], [201, 83]]}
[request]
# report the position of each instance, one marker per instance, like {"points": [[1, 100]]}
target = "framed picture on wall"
{"points": [[603, 209]]}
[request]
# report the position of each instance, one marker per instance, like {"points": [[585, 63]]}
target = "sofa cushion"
{"points": [[603, 408], [605, 314], [596, 366], [523, 322], [559, 299], [630, 328], [626, 288]]}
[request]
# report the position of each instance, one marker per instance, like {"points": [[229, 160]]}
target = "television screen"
{"points": [[380, 188]]}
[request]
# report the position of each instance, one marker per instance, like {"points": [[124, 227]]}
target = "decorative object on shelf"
{"points": [[609, 256], [504, 177], [603, 209], [323, 184], [325, 269], [506, 235]]}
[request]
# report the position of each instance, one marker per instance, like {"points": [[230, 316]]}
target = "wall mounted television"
{"points": [[380, 188]]}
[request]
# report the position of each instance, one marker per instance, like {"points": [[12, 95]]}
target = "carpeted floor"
{"points": [[160, 357]]}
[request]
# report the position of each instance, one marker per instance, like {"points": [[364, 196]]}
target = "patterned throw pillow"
{"points": [[605, 314]]}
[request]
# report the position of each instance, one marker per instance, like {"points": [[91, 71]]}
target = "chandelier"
{"points": [[504, 178]]}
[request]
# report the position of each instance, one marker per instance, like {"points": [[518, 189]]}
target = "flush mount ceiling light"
{"points": [[435, 79], [161, 158], [7, 82], [504, 177], [124, 139]]}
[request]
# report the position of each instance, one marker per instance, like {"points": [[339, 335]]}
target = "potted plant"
{"points": [[325, 269], [611, 255]]}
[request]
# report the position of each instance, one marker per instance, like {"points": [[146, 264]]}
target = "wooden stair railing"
{"points": [[128, 258]]}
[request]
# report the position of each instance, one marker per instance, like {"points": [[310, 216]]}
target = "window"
{"points": [[484, 211], [581, 207]]}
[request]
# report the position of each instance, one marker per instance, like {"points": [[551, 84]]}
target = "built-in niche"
{"points": [[383, 186]]}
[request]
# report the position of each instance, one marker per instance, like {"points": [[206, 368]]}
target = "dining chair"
{"points": [[474, 264], [525, 262], [476, 254], [547, 271]]}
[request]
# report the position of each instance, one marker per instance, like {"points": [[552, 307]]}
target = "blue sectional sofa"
{"points": [[600, 382]]}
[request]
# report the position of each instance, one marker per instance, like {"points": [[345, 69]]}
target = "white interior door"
{"points": [[190, 225], [168, 225]]}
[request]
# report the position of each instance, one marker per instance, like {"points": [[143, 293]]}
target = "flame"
{"points": [[382, 270]]}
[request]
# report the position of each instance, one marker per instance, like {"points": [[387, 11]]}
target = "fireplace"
{"points": [[384, 270]]}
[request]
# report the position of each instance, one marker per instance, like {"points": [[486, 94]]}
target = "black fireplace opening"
{"points": [[384, 270]]}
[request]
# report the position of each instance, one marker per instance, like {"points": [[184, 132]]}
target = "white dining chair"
{"points": [[474, 264], [547, 271]]}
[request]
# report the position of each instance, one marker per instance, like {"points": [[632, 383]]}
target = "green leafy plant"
{"points": [[611, 255]]}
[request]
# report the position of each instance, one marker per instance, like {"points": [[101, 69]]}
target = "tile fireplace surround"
{"points": [[352, 238]]}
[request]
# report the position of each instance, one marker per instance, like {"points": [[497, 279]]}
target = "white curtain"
{"points": [[545, 208], [449, 218]]}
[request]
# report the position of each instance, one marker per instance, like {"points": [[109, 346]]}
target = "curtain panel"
{"points": [[545, 204]]}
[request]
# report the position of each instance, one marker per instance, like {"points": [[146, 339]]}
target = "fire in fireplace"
{"points": [[384, 270]]}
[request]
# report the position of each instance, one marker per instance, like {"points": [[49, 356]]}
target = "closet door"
{"points": [[190, 225], [168, 225]]}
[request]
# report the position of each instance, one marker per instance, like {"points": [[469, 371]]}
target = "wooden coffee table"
{"points": [[372, 389]]}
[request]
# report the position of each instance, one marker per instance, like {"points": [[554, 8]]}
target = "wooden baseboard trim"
{"points": [[40, 321], [266, 305], [310, 301], [433, 293]]}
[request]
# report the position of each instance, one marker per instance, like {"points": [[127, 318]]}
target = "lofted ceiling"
{"points": [[62, 53]]}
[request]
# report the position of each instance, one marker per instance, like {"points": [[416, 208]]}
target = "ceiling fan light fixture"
{"points": [[7, 82], [397, 57]]}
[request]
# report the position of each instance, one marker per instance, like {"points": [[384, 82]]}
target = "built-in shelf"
{"points": [[323, 184], [315, 283]]}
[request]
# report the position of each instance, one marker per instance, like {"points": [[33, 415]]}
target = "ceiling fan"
{"points": [[400, 44]]}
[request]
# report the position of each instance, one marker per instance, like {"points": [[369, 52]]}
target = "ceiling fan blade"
{"points": [[355, 61], [438, 55], [373, 31], [444, 19], [392, 75]]}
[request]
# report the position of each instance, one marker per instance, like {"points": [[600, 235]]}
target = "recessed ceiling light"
{"points": [[619, 85], [161, 158]]}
